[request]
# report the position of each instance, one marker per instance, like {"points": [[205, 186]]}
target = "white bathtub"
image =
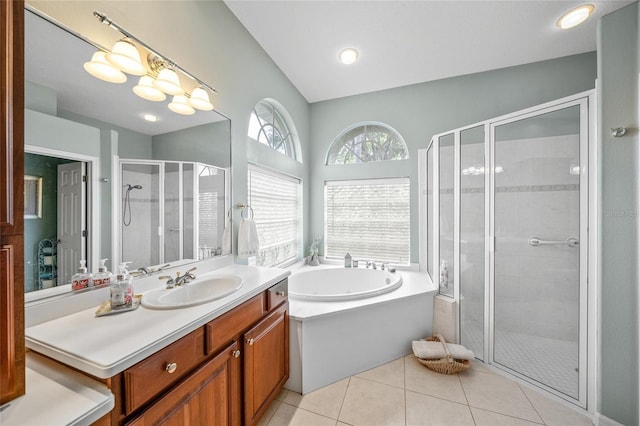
{"points": [[339, 284], [334, 336]]}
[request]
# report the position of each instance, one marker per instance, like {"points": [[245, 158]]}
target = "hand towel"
{"points": [[248, 242], [434, 350], [226, 237]]}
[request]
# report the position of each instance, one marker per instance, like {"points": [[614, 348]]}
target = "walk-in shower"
{"points": [[506, 209], [169, 212]]}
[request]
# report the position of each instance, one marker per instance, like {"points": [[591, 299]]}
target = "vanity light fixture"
{"points": [[102, 69], [125, 56], [179, 105], [168, 82], [146, 90], [348, 56], [199, 99], [575, 16]]}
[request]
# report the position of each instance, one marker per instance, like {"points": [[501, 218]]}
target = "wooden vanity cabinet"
{"points": [[226, 372]]}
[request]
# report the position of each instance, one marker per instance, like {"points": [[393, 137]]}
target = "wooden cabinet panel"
{"points": [[228, 326], [277, 294], [150, 377], [12, 348], [210, 396], [266, 362]]}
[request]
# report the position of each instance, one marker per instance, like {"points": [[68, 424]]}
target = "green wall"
{"points": [[419, 111], [618, 97]]}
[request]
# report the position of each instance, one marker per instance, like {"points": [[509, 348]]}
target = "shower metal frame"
{"points": [[588, 247]]}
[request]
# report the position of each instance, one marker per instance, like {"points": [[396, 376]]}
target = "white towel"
{"points": [[434, 350], [248, 242], [226, 237]]}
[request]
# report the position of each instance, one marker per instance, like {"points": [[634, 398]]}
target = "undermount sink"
{"points": [[201, 290]]}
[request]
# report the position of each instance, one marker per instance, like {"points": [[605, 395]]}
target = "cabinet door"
{"points": [[209, 396], [266, 362], [12, 358]]}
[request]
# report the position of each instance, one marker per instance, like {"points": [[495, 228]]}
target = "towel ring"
{"points": [[249, 212]]}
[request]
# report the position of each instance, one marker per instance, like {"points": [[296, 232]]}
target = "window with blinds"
{"points": [[274, 199], [368, 219]]}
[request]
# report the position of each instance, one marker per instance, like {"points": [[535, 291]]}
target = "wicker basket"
{"points": [[446, 365]]}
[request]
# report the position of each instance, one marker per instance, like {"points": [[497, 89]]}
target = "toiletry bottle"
{"points": [[82, 279], [102, 278], [122, 289], [347, 261]]}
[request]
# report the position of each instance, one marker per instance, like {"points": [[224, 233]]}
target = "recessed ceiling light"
{"points": [[348, 56], [150, 117], [575, 16]]}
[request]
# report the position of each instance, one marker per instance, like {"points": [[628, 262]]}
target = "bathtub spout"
{"points": [[372, 264]]}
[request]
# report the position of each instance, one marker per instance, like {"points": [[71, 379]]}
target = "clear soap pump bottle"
{"points": [[122, 289], [102, 278], [82, 278]]}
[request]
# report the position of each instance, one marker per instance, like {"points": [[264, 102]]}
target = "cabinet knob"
{"points": [[250, 341], [235, 353], [280, 293], [171, 367]]}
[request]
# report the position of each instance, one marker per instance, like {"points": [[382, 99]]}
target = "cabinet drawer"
{"points": [[226, 327], [148, 378], [277, 294]]}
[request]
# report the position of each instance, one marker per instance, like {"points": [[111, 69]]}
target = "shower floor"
{"points": [[551, 362]]}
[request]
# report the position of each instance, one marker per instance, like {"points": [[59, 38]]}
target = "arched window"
{"points": [[365, 143], [270, 124]]}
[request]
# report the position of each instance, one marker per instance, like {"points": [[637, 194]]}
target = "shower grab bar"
{"points": [[571, 242]]}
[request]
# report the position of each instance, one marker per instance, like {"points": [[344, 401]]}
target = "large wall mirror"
{"points": [[112, 184]]}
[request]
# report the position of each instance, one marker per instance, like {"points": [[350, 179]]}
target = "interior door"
{"points": [[72, 219], [540, 185]]}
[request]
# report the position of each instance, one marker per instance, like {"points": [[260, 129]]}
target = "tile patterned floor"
{"points": [[404, 392]]}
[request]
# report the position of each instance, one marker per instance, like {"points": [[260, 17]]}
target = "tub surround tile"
{"points": [[555, 413], [489, 418], [326, 401], [369, 403], [420, 379], [499, 394], [391, 374], [426, 410]]}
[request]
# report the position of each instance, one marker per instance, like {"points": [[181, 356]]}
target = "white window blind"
{"points": [[368, 219], [274, 200]]}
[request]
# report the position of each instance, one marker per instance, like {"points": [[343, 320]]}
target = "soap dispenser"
{"points": [[122, 289], [102, 278], [82, 278]]}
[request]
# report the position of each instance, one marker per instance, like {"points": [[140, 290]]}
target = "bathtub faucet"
{"points": [[372, 264]]}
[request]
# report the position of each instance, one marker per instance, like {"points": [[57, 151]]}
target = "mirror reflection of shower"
{"points": [[126, 218]]}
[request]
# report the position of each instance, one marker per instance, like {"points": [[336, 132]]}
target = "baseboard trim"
{"points": [[602, 420]]}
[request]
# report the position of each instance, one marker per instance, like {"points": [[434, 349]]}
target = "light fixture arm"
{"points": [[168, 62]]}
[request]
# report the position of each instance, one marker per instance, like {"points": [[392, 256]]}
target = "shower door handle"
{"points": [[570, 242]]}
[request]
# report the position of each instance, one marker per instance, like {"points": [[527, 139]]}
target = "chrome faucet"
{"points": [[372, 264], [179, 280]]}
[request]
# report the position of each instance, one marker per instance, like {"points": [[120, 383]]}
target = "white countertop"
{"points": [[57, 395], [106, 346]]}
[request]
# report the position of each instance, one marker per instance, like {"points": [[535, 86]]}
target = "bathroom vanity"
{"points": [[218, 363]]}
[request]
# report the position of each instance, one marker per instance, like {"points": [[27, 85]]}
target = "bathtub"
{"points": [[339, 284], [348, 320]]}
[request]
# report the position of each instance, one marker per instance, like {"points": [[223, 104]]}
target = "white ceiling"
{"points": [[405, 42]]}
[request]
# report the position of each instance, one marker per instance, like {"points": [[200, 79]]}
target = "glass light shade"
{"points": [[100, 68], [179, 105], [575, 16], [125, 56], [168, 82], [200, 100], [146, 90]]}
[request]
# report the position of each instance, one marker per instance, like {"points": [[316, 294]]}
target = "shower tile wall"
{"points": [[139, 239], [532, 198]]}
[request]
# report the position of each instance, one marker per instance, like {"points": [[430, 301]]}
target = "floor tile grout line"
{"points": [[532, 404], [466, 399], [507, 415], [344, 397]]}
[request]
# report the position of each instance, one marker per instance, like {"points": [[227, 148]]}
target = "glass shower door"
{"points": [[539, 183]]}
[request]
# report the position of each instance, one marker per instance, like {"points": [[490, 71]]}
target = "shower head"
{"points": [[130, 187]]}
